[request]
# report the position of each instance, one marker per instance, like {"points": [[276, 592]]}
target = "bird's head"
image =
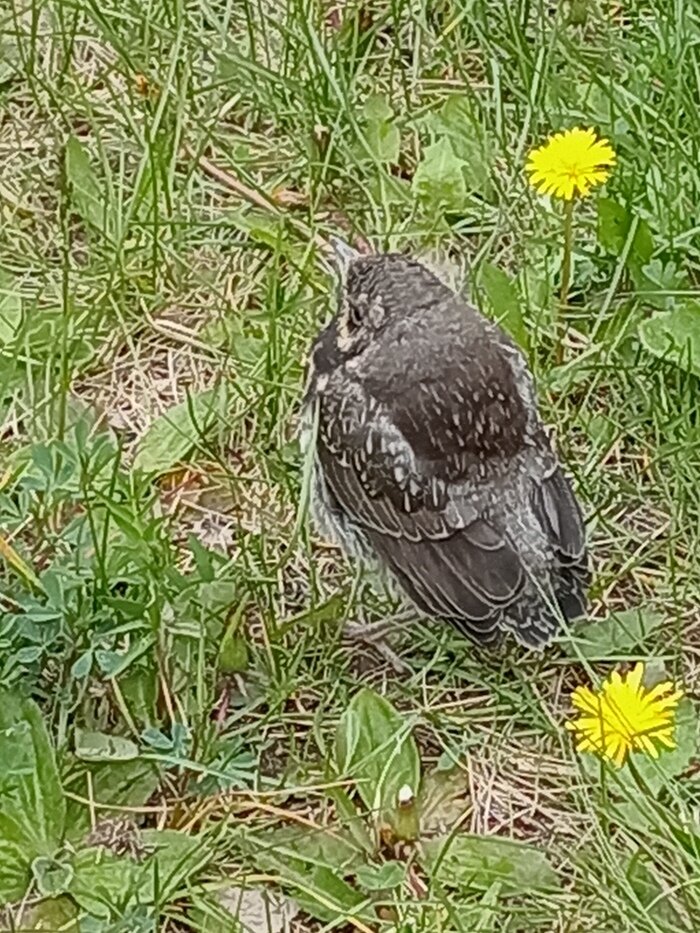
{"points": [[374, 291]]}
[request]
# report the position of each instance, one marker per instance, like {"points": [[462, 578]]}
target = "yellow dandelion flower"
{"points": [[625, 716], [570, 163]]}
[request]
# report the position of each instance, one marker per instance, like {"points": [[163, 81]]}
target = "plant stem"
{"points": [[565, 279]]}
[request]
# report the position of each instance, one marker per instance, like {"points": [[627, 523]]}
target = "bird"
{"points": [[430, 461]]}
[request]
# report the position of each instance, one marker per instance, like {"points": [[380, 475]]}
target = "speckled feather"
{"points": [[431, 459]]}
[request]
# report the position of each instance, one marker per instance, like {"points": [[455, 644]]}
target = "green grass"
{"points": [[180, 630]]}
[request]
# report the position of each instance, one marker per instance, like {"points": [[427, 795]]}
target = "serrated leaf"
{"points": [[98, 746], [504, 302], [674, 336], [375, 747], [32, 805], [470, 862], [439, 177], [172, 436], [617, 635], [88, 195]]}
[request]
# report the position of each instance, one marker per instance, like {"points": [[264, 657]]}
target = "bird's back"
{"points": [[432, 454]]}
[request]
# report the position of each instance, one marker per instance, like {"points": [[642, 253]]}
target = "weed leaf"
{"points": [[504, 302], [376, 748], [89, 198], [439, 177], [615, 636], [469, 862], [32, 805], [172, 436], [674, 336]]}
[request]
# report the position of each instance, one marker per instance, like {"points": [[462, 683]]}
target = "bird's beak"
{"points": [[341, 255]]}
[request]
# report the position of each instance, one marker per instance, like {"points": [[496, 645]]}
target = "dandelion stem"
{"points": [[565, 278]]}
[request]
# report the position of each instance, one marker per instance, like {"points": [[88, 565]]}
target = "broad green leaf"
{"points": [[376, 748], [98, 746], [113, 783], [259, 225], [104, 883], [330, 893], [504, 302], [384, 140], [32, 805], [470, 862], [463, 125], [10, 309], [303, 848], [658, 282], [52, 876], [129, 783], [381, 877], [233, 653], [312, 863], [352, 821], [617, 635], [173, 435], [177, 857], [88, 194], [674, 336], [660, 772], [439, 177], [377, 108], [654, 896], [614, 223], [139, 686], [382, 136]]}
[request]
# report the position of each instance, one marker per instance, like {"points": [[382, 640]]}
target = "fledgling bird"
{"points": [[431, 460]]}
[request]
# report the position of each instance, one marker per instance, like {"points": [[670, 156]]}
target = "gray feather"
{"points": [[431, 459]]}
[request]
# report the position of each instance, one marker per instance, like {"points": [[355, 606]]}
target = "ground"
{"points": [[187, 738]]}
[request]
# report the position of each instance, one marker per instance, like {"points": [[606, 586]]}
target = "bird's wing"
{"points": [[426, 528], [558, 512], [559, 515]]}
